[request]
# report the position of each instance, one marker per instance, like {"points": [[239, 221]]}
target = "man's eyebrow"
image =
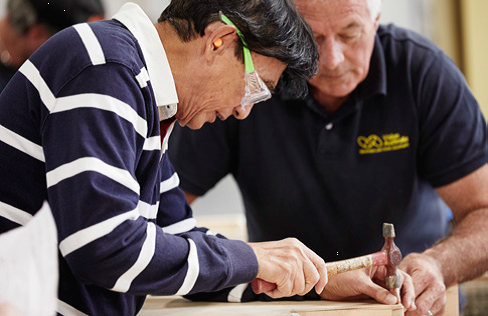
{"points": [[271, 85], [352, 25]]}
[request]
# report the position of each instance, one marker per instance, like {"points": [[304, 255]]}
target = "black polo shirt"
{"points": [[332, 180], [6, 73]]}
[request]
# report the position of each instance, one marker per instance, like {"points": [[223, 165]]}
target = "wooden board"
{"points": [[178, 306], [156, 306]]}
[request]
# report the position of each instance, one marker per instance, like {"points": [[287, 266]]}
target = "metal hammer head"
{"points": [[388, 230], [394, 256]]}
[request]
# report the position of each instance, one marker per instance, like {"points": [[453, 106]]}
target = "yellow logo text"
{"points": [[374, 144]]}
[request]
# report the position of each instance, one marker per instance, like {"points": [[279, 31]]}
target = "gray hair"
{"points": [[21, 15], [374, 7]]}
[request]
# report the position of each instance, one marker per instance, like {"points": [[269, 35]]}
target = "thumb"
{"points": [[380, 294]]}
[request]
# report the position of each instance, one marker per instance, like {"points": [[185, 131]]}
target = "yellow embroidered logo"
{"points": [[374, 144]]}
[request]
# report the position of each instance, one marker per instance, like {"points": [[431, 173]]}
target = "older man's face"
{"points": [[345, 34], [219, 96]]}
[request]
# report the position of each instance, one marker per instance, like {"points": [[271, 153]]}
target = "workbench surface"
{"points": [[174, 306], [178, 306]]}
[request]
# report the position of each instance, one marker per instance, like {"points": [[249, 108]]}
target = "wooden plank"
{"points": [[174, 306], [394, 311], [178, 306], [354, 310]]}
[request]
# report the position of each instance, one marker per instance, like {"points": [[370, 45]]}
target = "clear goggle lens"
{"points": [[256, 90]]}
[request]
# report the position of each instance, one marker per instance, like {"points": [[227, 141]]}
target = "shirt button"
{"points": [[329, 126]]}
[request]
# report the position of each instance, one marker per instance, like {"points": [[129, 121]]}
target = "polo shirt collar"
{"points": [[375, 82], [159, 71]]}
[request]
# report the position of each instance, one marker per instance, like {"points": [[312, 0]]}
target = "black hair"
{"points": [[273, 28]]}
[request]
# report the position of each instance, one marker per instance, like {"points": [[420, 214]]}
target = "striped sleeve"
{"points": [[103, 167]]}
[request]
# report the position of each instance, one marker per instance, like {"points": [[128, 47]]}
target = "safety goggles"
{"points": [[256, 90]]}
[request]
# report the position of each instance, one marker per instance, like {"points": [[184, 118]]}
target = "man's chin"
{"points": [[195, 125], [198, 121], [336, 91], [334, 88]]}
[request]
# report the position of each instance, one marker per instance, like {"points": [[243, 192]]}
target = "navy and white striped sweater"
{"points": [[80, 128]]}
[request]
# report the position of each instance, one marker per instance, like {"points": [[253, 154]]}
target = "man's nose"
{"points": [[241, 112], [331, 54]]}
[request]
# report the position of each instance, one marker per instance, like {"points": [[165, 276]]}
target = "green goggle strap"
{"points": [[248, 64]]}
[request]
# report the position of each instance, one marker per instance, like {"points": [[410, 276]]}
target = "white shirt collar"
{"points": [[139, 24]]}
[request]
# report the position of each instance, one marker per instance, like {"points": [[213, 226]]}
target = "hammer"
{"points": [[389, 256]]}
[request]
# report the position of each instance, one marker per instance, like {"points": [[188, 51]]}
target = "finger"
{"points": [[426, 301], [284, 287], [304, 270], [321, 269], [421, 277], [311, 277], [408, 292], [380, 294], [300, 278], [439, 307], [280, 291], [260, 286]]}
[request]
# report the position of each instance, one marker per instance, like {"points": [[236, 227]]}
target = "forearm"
{"points": [[150, 261], [462, 256]]}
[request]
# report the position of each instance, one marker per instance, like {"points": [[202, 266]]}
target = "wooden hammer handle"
{"points": [[375, 259]]}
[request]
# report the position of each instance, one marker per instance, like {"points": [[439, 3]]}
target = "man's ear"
{"points": [[377, 22], [96, 17], [218, 38]]}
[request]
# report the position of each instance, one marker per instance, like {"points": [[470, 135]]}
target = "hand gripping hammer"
{"points": [[389, 256]]}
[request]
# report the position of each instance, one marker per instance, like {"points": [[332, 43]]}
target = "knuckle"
{"points": [[294, 261], [421, 310], [304, 292], [287, 290], [442, 286], [288, 269], [300, 289], [439, 288], [431, 278], [295, 243], [314, 278], [425, 278], [291, 240]]}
